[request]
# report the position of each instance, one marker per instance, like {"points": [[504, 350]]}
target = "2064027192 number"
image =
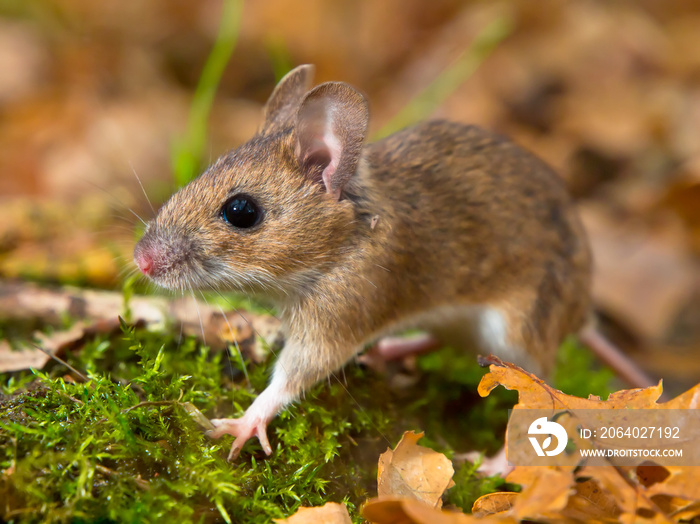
{"points": [[640, 432]]}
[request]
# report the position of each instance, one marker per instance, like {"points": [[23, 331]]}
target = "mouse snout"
{"points": [[149, 256], [144, 261], [166, 261]]}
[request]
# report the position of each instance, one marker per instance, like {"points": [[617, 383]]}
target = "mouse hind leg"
{"points": [[525, 328], [479, 329], [501, 331], [535, 326]]}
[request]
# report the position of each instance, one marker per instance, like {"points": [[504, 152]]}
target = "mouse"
{"points": [[442, 227]]}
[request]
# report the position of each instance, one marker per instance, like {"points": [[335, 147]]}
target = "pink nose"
{"points": [[145, 263]]}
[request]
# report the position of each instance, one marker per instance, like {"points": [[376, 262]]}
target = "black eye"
{"points": [[241, 211]]}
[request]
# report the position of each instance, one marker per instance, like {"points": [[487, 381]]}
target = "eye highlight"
{"points": [[241, 211]]}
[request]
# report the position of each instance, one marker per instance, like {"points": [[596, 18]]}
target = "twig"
{"points": [[143, 484], [151, 403], [61, 361]]}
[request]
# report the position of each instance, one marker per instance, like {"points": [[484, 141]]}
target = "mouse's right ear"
{"points": [[330, 132], [284, 101]]}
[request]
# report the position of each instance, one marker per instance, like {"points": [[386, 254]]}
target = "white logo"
{"points": [[542, 426]]}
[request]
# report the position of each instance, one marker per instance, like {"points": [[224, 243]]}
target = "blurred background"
{"points": [[95, 96]]}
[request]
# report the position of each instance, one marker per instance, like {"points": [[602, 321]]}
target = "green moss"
{"points": [[469, 486], [578, 374], [80, 453], [83, 452]]}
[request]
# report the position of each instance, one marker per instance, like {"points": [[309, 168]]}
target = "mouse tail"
{"points": [[613, 357]]}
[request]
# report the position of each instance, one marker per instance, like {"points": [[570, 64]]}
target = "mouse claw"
{"points": [[243, 429]]}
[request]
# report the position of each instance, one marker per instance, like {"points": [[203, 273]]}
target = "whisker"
{"points": [[201, 324], [138, 179], [235, 343], [362, 410], [180, 338], [117, 201], [238, 312], [228, 351]]}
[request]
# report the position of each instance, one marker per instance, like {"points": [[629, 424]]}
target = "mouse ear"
{"points": [[284, 101], [330, 130]]}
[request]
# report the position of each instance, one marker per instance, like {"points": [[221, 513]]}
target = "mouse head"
{"points": [[269, 216]]}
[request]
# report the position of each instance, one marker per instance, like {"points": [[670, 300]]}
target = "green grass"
{"points": [[447, 82], [187, 157], [188, 153]]}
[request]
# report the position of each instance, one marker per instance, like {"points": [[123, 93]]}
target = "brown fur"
{"points": [[440, 217]]}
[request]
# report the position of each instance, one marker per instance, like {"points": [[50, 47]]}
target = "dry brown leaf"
{"points": [[682, 197], [329, 513], [534, 393], [590, 503], [100, 310], [545, 497], [17, 359], [606, 493], [54, 344], [493, 503], [396, 510], [414, 471], [681, 482], [686, 513], [387, 510], [570, 498], [628, 497]]}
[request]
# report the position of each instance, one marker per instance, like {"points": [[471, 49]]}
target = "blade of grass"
{"points": [[447, 82], [280, 57], [188, 152]]}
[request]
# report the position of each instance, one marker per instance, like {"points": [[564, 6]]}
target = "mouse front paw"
{"points": [[243, 429]]}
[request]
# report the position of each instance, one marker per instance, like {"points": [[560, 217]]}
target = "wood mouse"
{"points": [[443, 227]]}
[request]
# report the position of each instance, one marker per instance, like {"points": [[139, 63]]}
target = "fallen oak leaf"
{"points": [[687, 513], [671, 488], [534, 393], [329, 513], [572, 412], [630, 497], [555, 493], [682, 482], [401, 510], [493, 503], [545, 497], [590, 503], [385, 510], [414, 471], [605, 493]]}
